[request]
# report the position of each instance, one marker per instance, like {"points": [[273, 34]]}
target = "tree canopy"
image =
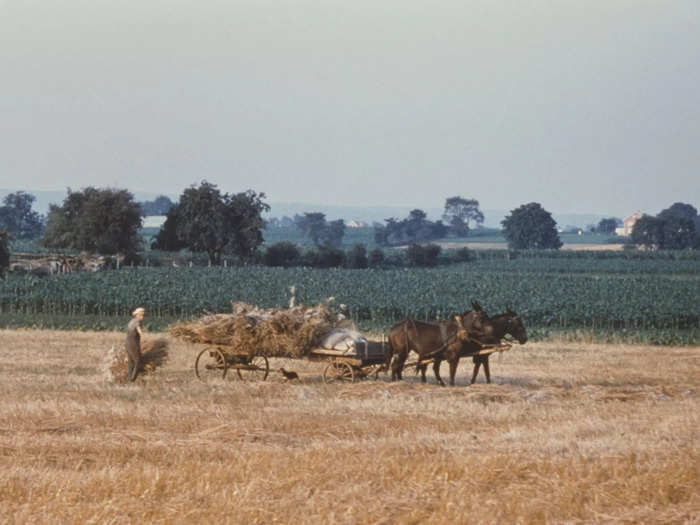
{"points": [[18, 218], [459, 212], [415, 228], [158, 206], [607, 225], [679, 210], [206, 220], [321, 232], [97, 220], [531, 226], [675, 228]]}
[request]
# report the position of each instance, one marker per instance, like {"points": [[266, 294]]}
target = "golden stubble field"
{"points": [[567, 433]]}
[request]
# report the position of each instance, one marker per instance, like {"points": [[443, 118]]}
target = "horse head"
{"points": [[515, 326]]}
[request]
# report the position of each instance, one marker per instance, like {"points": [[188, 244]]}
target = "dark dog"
{"points": [[289, 375]]}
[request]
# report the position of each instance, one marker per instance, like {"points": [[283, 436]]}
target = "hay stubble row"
{"points": [[567, 432]]}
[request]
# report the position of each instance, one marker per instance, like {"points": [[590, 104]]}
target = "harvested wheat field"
{"points": [[574, 433]]}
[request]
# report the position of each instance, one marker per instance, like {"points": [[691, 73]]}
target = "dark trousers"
{"points": [[134, 355]]}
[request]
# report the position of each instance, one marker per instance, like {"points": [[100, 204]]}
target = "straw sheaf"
{"points": [[116, 363], [250, 330]]}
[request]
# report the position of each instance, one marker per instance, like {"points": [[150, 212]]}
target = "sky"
{"points": [[584, 107]]}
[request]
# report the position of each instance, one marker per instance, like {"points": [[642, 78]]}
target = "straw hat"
{"points": [[139, 310]]}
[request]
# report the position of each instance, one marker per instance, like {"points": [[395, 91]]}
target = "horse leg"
{"points": [[393, 366], [477, 364], [486, 369], [436, 371], [422, 369], [397, 366], [453, 369]]}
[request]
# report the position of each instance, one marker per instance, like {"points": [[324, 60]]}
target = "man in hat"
{"points": [[133, 342]]}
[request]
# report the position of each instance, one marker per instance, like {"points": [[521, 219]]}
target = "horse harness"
{"points": [[446, 340]]}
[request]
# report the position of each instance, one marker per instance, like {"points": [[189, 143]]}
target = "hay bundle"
{"points": [[215, 329], [250, 330], [116, 363]]}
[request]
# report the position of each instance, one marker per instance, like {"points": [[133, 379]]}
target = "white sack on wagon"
{"points": [[341, 339]]}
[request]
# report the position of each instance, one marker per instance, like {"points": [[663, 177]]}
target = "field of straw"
{"points": [[568, 432]]}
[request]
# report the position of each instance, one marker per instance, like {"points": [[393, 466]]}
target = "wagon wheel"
{"points": [[337, 371], [256, 367], [209, 363]]}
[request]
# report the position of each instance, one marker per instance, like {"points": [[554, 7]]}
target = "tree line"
{"points": [[206, 220]]}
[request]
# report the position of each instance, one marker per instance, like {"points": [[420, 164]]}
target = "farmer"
{"points": [[133, 342]]}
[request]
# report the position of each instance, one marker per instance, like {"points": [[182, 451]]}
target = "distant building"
{"points": [[356, 224], [628, 224], [154, 221]]}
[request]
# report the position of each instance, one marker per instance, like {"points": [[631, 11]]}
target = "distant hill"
{"points": [[368, 214], [44, 198]]}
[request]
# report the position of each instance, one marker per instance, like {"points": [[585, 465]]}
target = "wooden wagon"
{"points": [[359, 360]]}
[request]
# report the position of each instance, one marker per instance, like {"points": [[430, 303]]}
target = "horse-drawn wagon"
{"points": [[348, 361], [248, 338]]}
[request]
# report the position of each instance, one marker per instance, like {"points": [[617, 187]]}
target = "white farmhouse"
{"points": [[628, 224]]}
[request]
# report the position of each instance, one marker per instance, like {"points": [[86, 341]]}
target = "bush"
{"points": [[423, 255], [462, 254], [283, 254], [330, 257], [376, 258], [324, 257], [357, 257]]}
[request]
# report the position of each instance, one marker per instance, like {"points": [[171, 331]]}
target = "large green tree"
{"points": [[647, 231], [96, 220], [679, 210], [312, 224], [167, 238], [459, 212], [680, 227], [607, 225], [206, 220], [18, 218], [674, 228], [416, 227], [531, 226], [321, 232]]}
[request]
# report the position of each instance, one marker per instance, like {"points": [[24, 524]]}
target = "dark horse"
{"points": [[492, 331], [499, 325], [430, 340]]}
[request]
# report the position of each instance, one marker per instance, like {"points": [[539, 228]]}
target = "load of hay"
{"points": [[116, 363], [272, 332]]}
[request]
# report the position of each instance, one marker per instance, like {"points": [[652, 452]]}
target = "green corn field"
{"points": [[654, 300]]}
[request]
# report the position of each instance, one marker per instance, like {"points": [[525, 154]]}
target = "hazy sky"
{"points": [[583, 106]]}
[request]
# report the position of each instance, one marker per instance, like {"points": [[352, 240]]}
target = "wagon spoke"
{"points": [[210, 363], [337, 371], [255, 368]]}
